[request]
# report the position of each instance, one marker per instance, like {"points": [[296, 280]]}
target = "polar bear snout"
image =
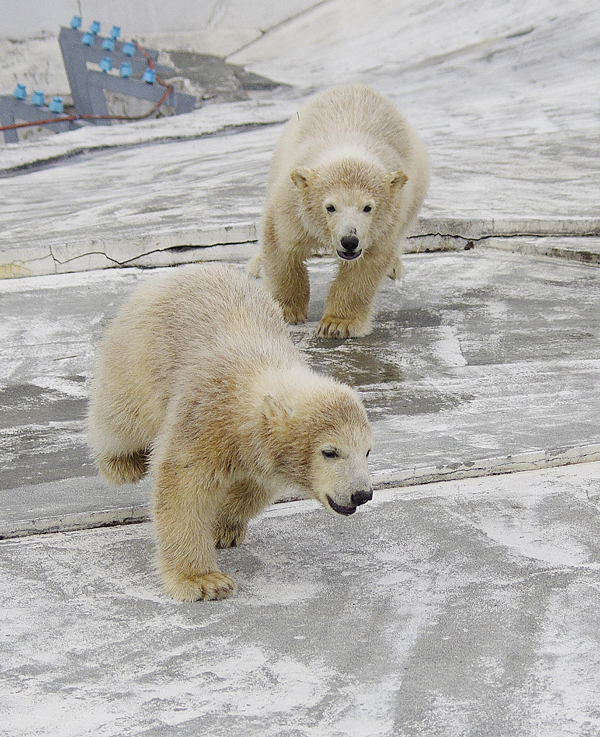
{"points": [[361, 497], [349, 242], [349, 247]]}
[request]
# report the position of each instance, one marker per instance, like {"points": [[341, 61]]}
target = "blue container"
{"points": [[56, 105], [37, 98], [108, 44], [128, 48], [115, 32], [20, 92], [95, 27], [126, 70], [76, 22], [149, 76], [87, 39], [105, 64]]}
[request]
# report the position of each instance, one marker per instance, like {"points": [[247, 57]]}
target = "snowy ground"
{"points": [[460, 608]]}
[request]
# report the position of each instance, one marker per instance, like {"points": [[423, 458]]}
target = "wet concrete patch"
{"points": [[18, 401], [214, 79]]}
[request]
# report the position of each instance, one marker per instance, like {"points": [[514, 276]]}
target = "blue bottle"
{"points": [[149, 76], [20, 92], [37, 98], [56, 105]]}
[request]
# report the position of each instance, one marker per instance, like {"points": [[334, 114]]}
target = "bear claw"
{"points": [[206, 587], [229, 536], [339, 328]]}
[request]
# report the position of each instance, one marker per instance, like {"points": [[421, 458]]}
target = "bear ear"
{"points": [[302, 177], [397, 180], [274, 410]]}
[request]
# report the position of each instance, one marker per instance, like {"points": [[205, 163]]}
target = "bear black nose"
{"points": [[349, 242], [361, 497]]}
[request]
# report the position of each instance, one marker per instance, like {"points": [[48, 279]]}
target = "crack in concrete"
{"points": [[145, 254], [579, 243], [539, 246]]}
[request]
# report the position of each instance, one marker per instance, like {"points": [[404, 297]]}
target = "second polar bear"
{"points": [[198, 381], [349, 176]]}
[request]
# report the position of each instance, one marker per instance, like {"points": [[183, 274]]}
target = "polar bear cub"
{"points": [[198, 382], [348, 176]]}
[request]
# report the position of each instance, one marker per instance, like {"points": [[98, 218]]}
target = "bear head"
{"points": [[321, 441], [348, 202]]}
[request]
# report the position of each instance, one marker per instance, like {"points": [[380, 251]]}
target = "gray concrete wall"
{"points": [[147, 16]]}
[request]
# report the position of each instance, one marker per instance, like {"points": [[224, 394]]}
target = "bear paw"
{"points": [[206, 587], [396, 269], [229, 536], [294, 315], [254, 267], [338, 327]]}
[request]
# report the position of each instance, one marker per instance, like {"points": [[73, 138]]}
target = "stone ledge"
{"points": [[535, 461]]}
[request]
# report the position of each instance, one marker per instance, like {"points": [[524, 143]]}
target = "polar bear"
{"points": [[348, 176], [198, 382]]}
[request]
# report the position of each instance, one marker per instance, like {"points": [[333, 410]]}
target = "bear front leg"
{"points": [[289, 285], [284, 270], [396, 269], [185, 509], [350, 299]]}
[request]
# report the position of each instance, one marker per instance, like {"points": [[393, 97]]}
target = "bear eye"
{"points": [[329, 453], [330, 208], [367, 208]]}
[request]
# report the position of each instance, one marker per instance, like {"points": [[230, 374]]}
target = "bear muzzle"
{"points": [[349, 248], [358, 497]]}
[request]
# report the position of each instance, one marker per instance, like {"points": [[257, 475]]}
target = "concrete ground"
{"points": [[463, 599]]}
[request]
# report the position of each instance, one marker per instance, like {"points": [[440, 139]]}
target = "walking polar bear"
{"points": [[198, 381], [349, 176]]}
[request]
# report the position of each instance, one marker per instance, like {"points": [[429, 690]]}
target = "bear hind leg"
{"points": [[244, 500], [229, 534], [123, 469]]}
